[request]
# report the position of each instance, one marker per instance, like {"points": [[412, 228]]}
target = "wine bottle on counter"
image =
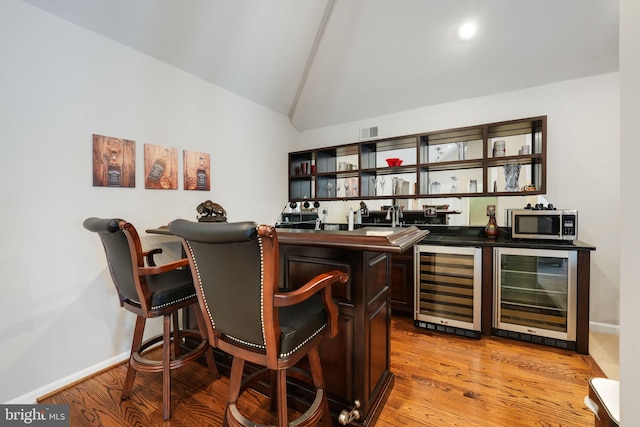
{"points": [[158, 167]]}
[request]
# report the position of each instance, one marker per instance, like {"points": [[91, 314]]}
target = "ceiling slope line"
{"points": [[312, 54]]}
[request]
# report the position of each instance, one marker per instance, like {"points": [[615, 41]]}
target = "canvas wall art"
{"points": [[160, 167], [197, 171], [114, 162]]}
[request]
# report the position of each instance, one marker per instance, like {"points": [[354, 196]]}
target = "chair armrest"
{"points": [[149, 255], [164, 267], [318, 283], [321, 283]]}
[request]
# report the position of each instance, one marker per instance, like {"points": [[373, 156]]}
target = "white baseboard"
{"points": [[605, 328], [32, 397]]}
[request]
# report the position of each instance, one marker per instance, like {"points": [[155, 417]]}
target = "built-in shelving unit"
{"points": [[505, 158]]}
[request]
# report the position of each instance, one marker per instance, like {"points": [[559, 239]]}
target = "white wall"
{"points": [[59, 84], [583, 158], [629, 253]]}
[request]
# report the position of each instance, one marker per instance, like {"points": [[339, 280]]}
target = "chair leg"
{"points": [[273, 390], [166, 365], [235, 382], [318, 381], [282, 398], [135, 347], [211, 362], [176, 334]]}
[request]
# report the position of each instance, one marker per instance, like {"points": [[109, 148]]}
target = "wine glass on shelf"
{"points": [[346, 188], [329, 188], [383, 181], [374, 181], [338, 187], [454, 189], [439, 151]]}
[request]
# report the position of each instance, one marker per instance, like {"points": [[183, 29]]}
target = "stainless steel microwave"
{"points": [[544, 224]]}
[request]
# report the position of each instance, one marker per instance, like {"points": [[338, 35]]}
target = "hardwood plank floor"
{"points": [[440, 380]]}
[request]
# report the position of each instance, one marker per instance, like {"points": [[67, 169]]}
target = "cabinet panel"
{"points": [[401, 284]]}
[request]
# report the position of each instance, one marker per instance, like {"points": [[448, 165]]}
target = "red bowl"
{"points": [[393, 161], [399, 162]]}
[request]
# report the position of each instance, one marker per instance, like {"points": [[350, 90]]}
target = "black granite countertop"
{"points": [[474, 236]]}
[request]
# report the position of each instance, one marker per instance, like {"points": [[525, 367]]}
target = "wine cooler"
{"points": [[448, 289], [535, 296]]}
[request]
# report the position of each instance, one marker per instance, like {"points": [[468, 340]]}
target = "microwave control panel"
{"points": [[569, 225]]}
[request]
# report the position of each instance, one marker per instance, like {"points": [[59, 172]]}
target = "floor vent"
{"points": [[367, 133], [536, 339], [447, 329]]}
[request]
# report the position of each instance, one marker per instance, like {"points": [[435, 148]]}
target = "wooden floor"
{"points": [[440, 380]]}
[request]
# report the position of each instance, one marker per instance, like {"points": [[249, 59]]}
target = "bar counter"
{"points": [[356, 364]]}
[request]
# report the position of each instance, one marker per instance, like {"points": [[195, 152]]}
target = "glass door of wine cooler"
{"points": [[535, 295], [448, 289]]}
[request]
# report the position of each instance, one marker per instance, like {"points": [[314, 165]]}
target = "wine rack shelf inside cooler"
{"points": [[448, 289]]}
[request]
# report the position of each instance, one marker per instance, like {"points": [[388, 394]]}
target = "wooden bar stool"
{"points": [[151, 291]]}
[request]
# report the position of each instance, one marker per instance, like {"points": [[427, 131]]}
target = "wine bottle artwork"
{"points": [[114, 161], [156, 171], [201, 176], [196, 169], [114, 171]]}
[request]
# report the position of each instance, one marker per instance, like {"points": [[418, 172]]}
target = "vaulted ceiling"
{"points": [[326, 62]]}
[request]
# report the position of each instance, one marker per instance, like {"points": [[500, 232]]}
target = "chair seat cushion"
{"points": [[301, 322], [171, 287]]}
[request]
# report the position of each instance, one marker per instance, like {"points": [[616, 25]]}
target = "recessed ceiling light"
{"points": [[466, 30]]}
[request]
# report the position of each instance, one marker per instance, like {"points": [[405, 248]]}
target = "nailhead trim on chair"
{"points": [[195, 264], [264, 337], [173, 302], [289, 353], [246, 343]]}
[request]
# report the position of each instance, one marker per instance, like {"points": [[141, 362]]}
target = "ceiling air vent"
{"points": [[366, 133]]}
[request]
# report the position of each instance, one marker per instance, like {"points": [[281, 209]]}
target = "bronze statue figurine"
{"points": [[211, 212]]}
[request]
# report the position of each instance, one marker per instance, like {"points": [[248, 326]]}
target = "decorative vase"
{"points": [[511, 176], [491, 230]]}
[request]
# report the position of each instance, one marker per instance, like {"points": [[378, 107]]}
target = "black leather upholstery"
{"points": [[166, 288], [228, 263]]}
